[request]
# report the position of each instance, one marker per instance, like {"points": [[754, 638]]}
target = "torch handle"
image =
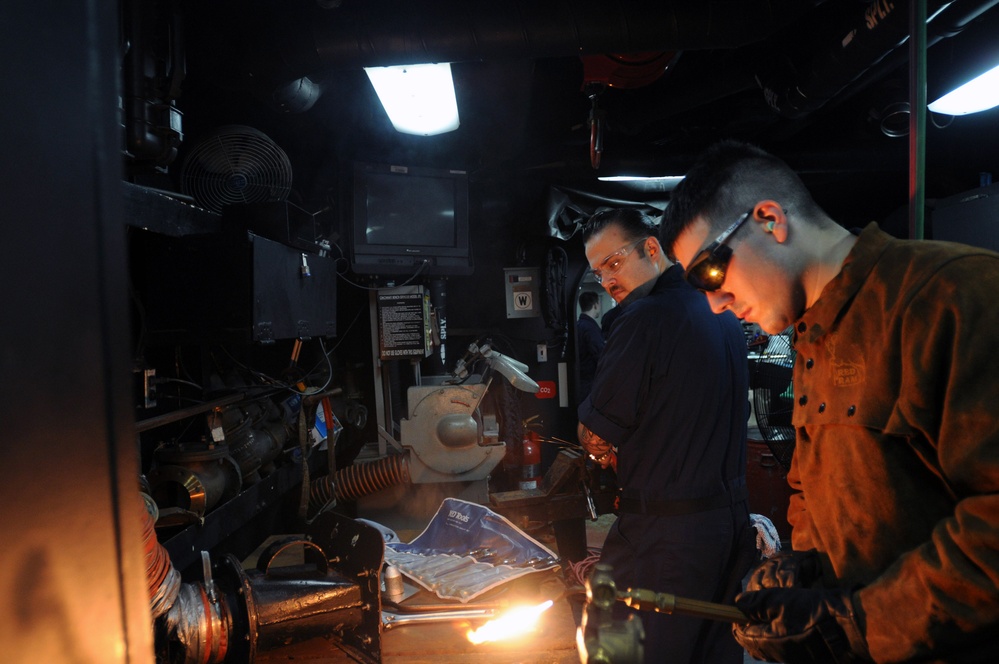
{"points": [[709, 610], [646, 600]]}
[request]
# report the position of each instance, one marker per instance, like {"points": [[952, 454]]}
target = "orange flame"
{"points": [[515, 622]]}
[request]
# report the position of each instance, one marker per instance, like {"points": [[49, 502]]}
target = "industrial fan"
{"points": [[236, 164], [773, 395]]}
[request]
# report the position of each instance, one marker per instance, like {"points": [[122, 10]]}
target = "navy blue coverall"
{"points": [[671, 394]]}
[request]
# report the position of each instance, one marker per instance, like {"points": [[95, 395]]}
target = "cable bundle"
{"points": [[576, 573]]}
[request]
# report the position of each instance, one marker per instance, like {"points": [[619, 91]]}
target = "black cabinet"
{"points": [[230, 286]]}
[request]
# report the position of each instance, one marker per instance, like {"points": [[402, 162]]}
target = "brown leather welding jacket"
{"points": [[896, 389]]}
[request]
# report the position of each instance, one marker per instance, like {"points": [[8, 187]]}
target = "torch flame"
{"points": [[515, 622]]}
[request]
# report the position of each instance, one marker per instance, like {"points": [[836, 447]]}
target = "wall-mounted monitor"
{"points": [[409, 219]]}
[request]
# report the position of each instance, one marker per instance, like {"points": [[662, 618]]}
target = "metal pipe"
{"points": [[152, 121], [647, 600], [872, 46], [184, 413], [385, 32]]}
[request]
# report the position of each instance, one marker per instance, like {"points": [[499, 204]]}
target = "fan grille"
{"points": [[773, 397], [236, 164]]}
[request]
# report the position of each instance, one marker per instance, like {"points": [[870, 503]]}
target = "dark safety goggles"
{"points": [[707, 271]]}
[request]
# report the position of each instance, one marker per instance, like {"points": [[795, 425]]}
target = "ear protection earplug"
{"points": [[769, 226]]}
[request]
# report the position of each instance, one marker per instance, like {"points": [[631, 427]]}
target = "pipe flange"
{"points": [[234, 582], [187, 480]]}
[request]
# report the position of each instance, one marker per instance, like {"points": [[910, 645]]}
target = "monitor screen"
{"points": [[408, 220], [410, 211]]}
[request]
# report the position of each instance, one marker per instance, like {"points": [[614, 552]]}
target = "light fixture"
{"points": [[644, 183], [419, 99], [668, 179], [979, 94]]}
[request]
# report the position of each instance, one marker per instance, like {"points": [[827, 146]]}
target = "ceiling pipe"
{"points": [[730, 78], [387, 32], [151, 84], [881, 30], [952, 21]]}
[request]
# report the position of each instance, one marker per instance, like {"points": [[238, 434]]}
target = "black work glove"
{"points": [[801, 625], [796, 569]]}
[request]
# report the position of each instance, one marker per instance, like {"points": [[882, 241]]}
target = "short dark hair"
{"points": [[634, 225], [729, 178], [588, 300]]}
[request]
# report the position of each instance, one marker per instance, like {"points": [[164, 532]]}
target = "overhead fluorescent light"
{"points": [[644, 183], [419, 99], [978, 94], [641, 178]]}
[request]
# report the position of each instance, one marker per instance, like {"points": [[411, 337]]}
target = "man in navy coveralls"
{"points": [[669, 406], [589, 340]]}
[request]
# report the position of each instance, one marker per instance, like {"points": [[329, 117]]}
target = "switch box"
{"points": [[542, 352], [523, 292]]}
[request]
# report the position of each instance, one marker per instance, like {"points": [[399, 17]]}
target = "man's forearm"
{"points": [[598, 448]]}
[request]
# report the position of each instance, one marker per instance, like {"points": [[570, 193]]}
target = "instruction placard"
{"points": [[404, 322]]}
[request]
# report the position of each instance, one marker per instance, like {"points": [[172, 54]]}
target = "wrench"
{"points": [[390, 619]]}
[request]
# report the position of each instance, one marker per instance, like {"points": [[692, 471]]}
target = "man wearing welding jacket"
{"points": [[671, 395], [895, 511]]}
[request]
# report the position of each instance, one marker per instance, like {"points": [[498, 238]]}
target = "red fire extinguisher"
{"points": [[530, 461]]}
